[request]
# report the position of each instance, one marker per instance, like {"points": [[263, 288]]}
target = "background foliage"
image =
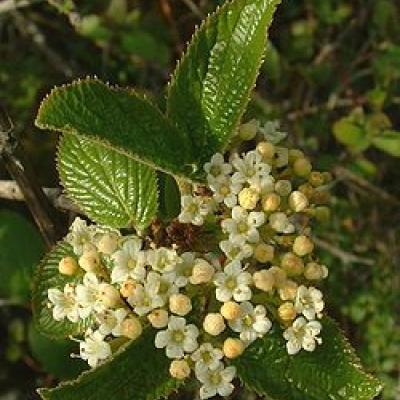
{"points": [[332, 76]]}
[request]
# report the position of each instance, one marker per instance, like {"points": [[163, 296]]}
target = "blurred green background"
{"points": [[331, 75]]}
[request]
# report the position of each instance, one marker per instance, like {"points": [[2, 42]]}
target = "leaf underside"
{"points": [[120, 119], [331, 372], [211, 86], [136, 372], [47, 276], [111, 188]]}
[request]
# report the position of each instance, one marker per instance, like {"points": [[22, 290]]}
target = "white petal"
{"points": [[162, 339], [225, 389]]}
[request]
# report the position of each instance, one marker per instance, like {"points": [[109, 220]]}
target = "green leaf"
{"points": [[212, 83], [170, 197], [331, 372], [47, 276], [136, 372], [17, 258], [120, 119], [54, 355], [389, 142], [351, 134], [110, 187]]}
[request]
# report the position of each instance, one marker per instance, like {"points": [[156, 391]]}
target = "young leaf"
{"points": [[110, 187], [137, 371], [389, 142], [47, 276], [211, 85], [331, 372], [120, 119]]}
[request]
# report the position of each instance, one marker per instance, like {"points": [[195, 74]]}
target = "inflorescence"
{"points": [[209, 306]]}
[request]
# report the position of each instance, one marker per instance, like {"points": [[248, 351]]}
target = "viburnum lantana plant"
{"points": [[218, 284]]}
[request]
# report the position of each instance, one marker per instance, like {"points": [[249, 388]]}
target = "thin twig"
{"points": [[344, 256], [11, 5], [194, 8]]}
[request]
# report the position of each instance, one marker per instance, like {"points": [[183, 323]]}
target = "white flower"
{"points": [[94, 349], [309, 302], [250, 168], [233, 282], [216, 381], [80, 235], [129, 262], [252, 323], [236, 249], [110, 321], [64, 303], [161, 285], [217, 167], [225, 191], [207, 357], [194, 209], [144, 301], [178, 338], [163, 259], [272, 133], [243, 224], [302, 334], [280, 223], [184, 268]]}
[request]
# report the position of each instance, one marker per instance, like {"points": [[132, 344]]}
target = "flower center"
{"points": [[248, 320], [242, 227], [215, 378], [206, 356], [131, 263], [231, 283], [193, 208], [215, 170], [178, 336], [224, 190]]}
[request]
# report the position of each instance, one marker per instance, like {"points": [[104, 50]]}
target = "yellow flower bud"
{"points": [[248, 130], [287, 312], [327, 177], [303, 245], [248, 198], [233, 348], [214, 324], [292, 264], [302, 167], [307, 190], [288, 290], [108, 243], [314, 271], [68, 266], [264, 253], [298, 201], [202, 272], [271, 202], [230, 310], [179, 369], [131, 328], [267, 150], [283, 187], [264, 280], [109, 295], [279, 275], [90, 261], [294, 154], [128, 288], [158, 318], [316, 179], [180, 304]]}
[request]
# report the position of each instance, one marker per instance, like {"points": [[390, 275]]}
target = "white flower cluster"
{"points": [[208, 307]]}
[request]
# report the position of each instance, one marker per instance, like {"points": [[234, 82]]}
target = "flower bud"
{"points": [[248, 198], [281, 158], [214, 324], [264, 280], [267, 150], [327, 177], [230, 310], [128, 288], [278, 221], [283, 187], [68, 266], [314, 271], [179, 369], [294, 154], [316, 179], [303, 245], [279, 275], [307, 190], [271, 202], [131, 327], [298, 201], [180, 304], [292, 264], [202, 272], [288, 290], [233, 348], [302, 167], [108, 243], [109, 295], [264, 253], [158, 318], [248, 130], [90, 261], [287, 312]]}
